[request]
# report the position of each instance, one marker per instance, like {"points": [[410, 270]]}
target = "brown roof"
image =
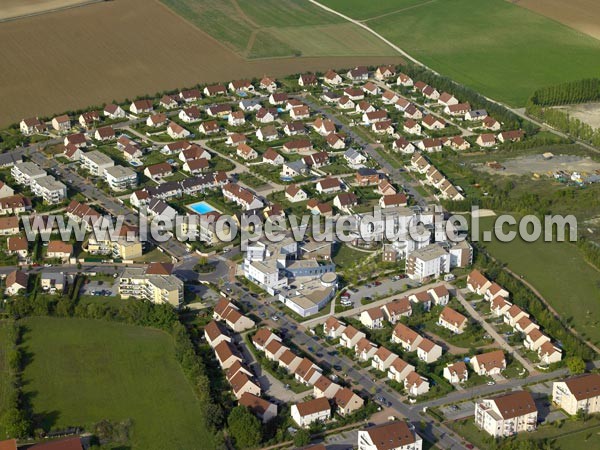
{"points": [[287, 357], [584, 386], [404, 333], [304, 367], [10, 444], [392, 435], [16, 243], [394, 199], [453, 317], [72, 443], [515, 404], [60, 247], [344, 396], [350, 331], [323, 383], [491, 359], [312, 406], [17, 276], [163, 167], [329, 182], [225, 351], [548, 348], [375, 313], [214, 329], [9, 222], [157, 268], [273, 346], [399, 306], [477, 279], [347, 199], [426, 345], [383, 353], [261, 337], [257, 405], [333, 322], [458, 368], [298, 143], [364, 345]]}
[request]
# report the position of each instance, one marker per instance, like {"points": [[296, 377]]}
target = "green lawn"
{"points": [[275, 28], [345, 256], [498, 48], [82, 371], [560, 273]]}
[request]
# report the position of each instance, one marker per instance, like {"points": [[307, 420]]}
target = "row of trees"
{"points": [[16, 417], [579, 91], [562, 121], [475, 99], [590, 250]]}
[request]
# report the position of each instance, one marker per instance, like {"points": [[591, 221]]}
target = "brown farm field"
{"points": [[115, 50], [15, 8], [582, 15]]}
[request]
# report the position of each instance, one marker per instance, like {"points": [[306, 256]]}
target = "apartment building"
{"points": [[506, 414], [580, 393], [96, 162], [120, 178], [156, 288], [396, 435]]}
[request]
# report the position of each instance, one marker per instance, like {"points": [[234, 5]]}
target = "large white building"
{"points": [[96, 162], [580, 393], [120, 178], [396, 435], [156, 286], [303, 283], [437, 259], [506, 414]]}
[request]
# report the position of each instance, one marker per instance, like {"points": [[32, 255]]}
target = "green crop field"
{"points": [[560, 273], [498, 48], [276, 28], [82, 371], [364, 9]]}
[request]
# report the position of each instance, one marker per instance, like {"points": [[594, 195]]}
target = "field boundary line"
{"points": [[50, 11], [398, 10], [243, 15], [250, 44]]}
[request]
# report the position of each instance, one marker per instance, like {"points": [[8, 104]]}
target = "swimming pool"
{"points": [[201, 207]]}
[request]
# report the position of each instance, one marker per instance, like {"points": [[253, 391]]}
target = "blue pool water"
{"points": [[201, 207]]}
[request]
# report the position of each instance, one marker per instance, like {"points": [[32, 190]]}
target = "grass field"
{"points": [[559, 272], [494, 46], [171, 53], [275, 28], [83, 371]]}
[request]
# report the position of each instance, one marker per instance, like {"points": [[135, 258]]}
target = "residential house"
{"points": [[477, 282], [323, 126], [324, 387], [141, 107], [428, 351], [59, 250], [176, 131], [113, 112], [226, 355], [534, 339], [261, 338], [267, 134], [396, 309], [415, 384], [335, 141], [333, 328], [447, 99], [490, 363], [298, 146], [384, 72], [158, 171], [365, 349], [61, 123], [393, 201], [476, 114], [16, 245], [452, 320], [399, 370], [511, 136], [31, 126], [209, 127], [457, 109], [489, 123], [294, 128], [260, 407], [241, 86], [347, 402], [295, 194], [328, 185], [359, 73], [214, 90], [236, 119], [439, 294], [190, 115], [486, 140], [456, 373], [77, 139], [403, 145], [241, 196], [549, 353], [404, 80], [383, 359], [372, 318], [308, 79], [513, 315], [350, 337], [406, 337], [215, 333], [104, 134], [16, 281], [311, 411], [15, 204], [344, 201], [354, 158], [332, 78], [246, 152], [394, 435]]}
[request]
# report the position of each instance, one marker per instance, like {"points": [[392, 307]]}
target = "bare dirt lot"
{"points": [[525, 165], [587, 112], [582, 15], [15, 8], [118, 50]]}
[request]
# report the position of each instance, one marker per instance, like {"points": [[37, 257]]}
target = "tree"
{"points": [[244, 428], [576, 365], [301, 438]]}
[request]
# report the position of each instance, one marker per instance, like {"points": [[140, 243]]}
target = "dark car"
{"points": [[337, 367]]}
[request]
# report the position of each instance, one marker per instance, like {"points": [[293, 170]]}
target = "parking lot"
{"points": [[458, 411], [104, 288], [381, 288]]}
